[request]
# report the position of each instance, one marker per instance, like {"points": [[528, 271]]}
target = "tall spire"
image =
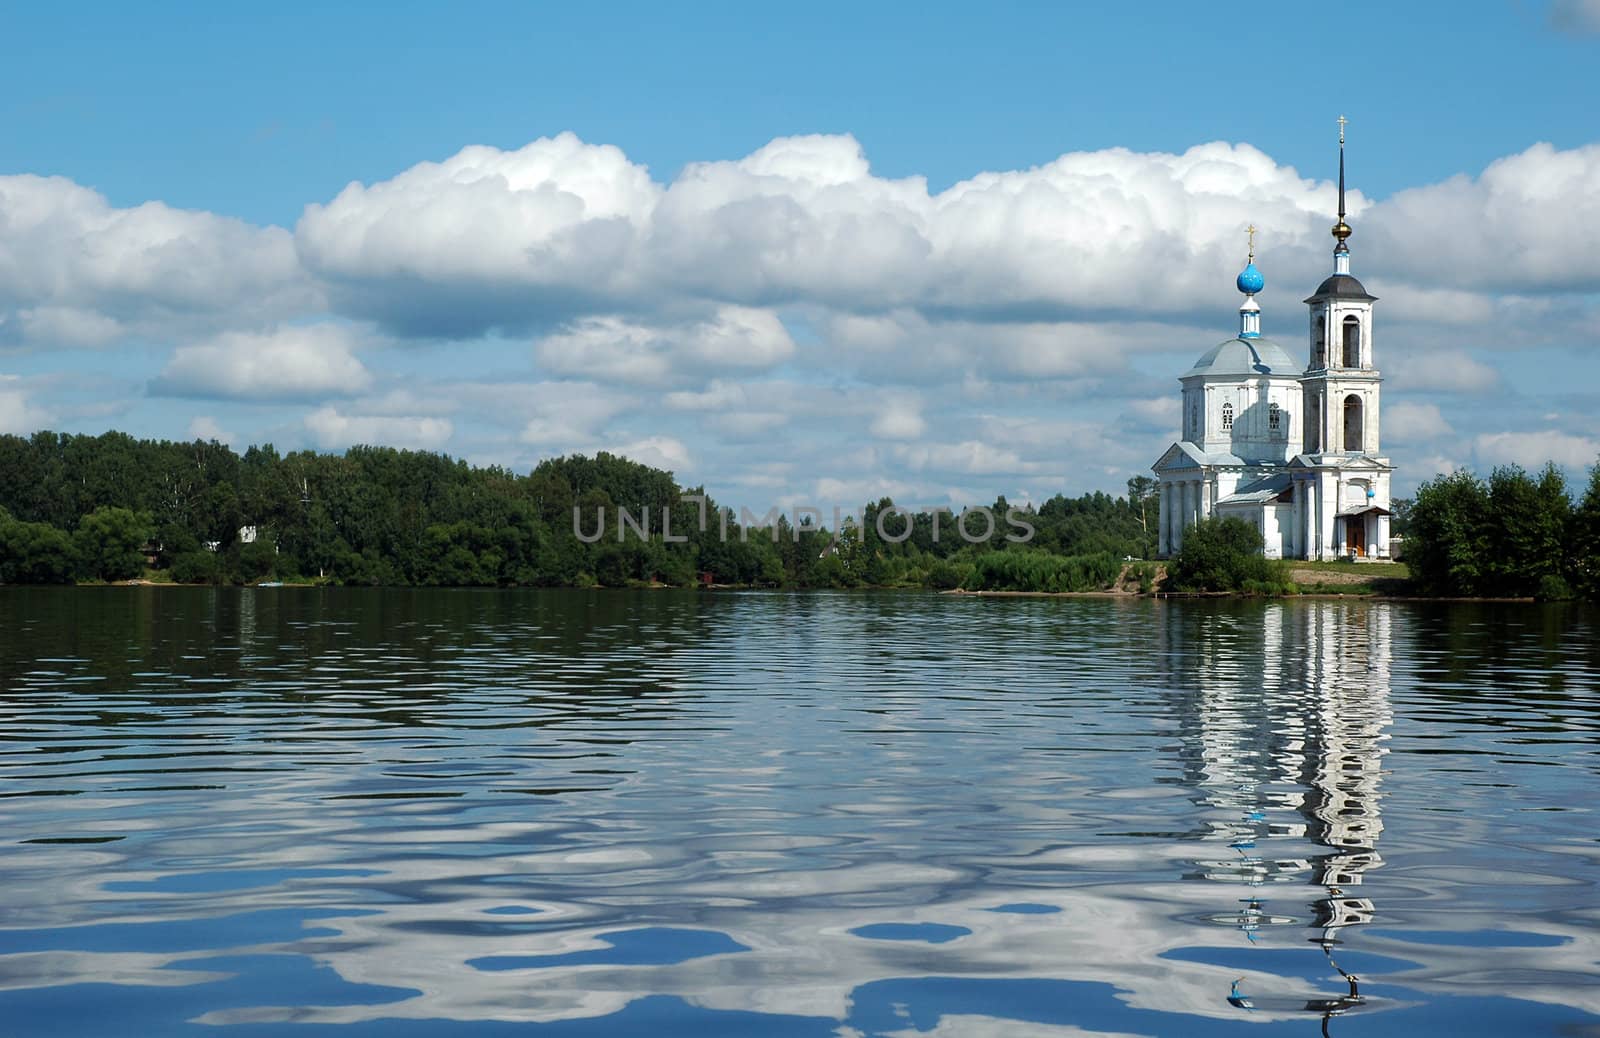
{"points": [[1341, 230]]}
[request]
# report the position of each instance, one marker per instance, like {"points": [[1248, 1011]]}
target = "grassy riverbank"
{"points": [[1350, 578]]}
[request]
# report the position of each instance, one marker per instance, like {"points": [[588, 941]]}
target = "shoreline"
{"points": [[1107, 593]]}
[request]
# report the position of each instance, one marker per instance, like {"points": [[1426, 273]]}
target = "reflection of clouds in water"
{"points": [[802, 961], [961, 1026], [142, 969], [831, 809]]}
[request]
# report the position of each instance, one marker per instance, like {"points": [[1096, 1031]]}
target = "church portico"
{"points": [[1292, 450]]}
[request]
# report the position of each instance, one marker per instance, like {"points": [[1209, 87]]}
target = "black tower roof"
{"points": [[1341, 286]]}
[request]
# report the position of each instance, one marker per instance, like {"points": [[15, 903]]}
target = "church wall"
{"points": [[1251, 436], [1273, 528]]}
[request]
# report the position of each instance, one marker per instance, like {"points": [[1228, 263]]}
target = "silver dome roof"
{"points": [[1255, 356]]}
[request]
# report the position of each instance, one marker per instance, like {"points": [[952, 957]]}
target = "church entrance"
{"points": [[1355, 535]]}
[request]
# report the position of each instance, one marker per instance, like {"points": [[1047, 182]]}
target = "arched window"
{"points": [[1227, 417], [1274, 417], [1313, 426], [1352, 342], [1352, 423], [1319, 343]]}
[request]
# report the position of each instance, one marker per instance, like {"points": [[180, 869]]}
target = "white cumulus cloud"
{"points": [[898, 418], [18, 416], [486, 236], [566, 415], [717, 396], [1532, 449], [335, 430], [76, 271], [662, 452], [611, 349], [1446, 371], [562, 228], [288, 363], [205, 427], [1525, 223], [1413, 422]]}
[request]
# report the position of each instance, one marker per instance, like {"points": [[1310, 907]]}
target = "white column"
{"points": [[1164, 518], [1177, 517], [1298, 522], [1328, 510], [1169, 519], [1313, 518]]}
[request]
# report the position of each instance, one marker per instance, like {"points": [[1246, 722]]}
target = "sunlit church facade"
{"points": [[1291, 449]]}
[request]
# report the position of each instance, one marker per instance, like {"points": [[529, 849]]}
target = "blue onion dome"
{"points": [[1250, 280]]}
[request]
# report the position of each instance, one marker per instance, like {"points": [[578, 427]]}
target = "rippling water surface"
{"points": [[296, 812]]}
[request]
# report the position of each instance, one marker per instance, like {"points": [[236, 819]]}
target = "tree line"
{"points": [[1512, 535], [113, 507]]}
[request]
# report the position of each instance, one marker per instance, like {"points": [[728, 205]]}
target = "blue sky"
{"points": [[752, 291]]}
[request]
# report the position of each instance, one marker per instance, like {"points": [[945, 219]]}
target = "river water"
{"points": [[348, 813]]}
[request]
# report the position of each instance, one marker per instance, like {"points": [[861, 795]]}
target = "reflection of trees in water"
{"points": [[396, 657], [1285, 712]]}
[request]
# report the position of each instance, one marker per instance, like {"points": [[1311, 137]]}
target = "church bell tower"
{"points": [[1341, 380], [1341, 479]]}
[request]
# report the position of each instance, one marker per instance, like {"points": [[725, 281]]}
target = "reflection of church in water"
{"points": [[1284, 726]]}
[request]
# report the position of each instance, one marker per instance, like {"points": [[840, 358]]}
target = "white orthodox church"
{"points": [[1291, 450]]}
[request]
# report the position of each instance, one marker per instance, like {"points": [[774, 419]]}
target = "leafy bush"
{"points": [[1224, 554], [946, 574], [1039, 571], [1553, 589], [196, 567], [1145, 574]]}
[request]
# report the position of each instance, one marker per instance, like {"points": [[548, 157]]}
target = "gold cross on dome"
{"points": [[1251, 230], [1342, 121]]}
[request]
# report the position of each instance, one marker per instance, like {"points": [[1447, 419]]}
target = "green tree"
{"points": [[1527, 522], [1450, 532], [110, 543], [1584, 541], [1224, 554], [34, 553], [1400, 520]]}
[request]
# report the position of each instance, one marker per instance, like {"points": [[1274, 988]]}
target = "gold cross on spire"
{"points": [[1342, 121], [1251, 230]]}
